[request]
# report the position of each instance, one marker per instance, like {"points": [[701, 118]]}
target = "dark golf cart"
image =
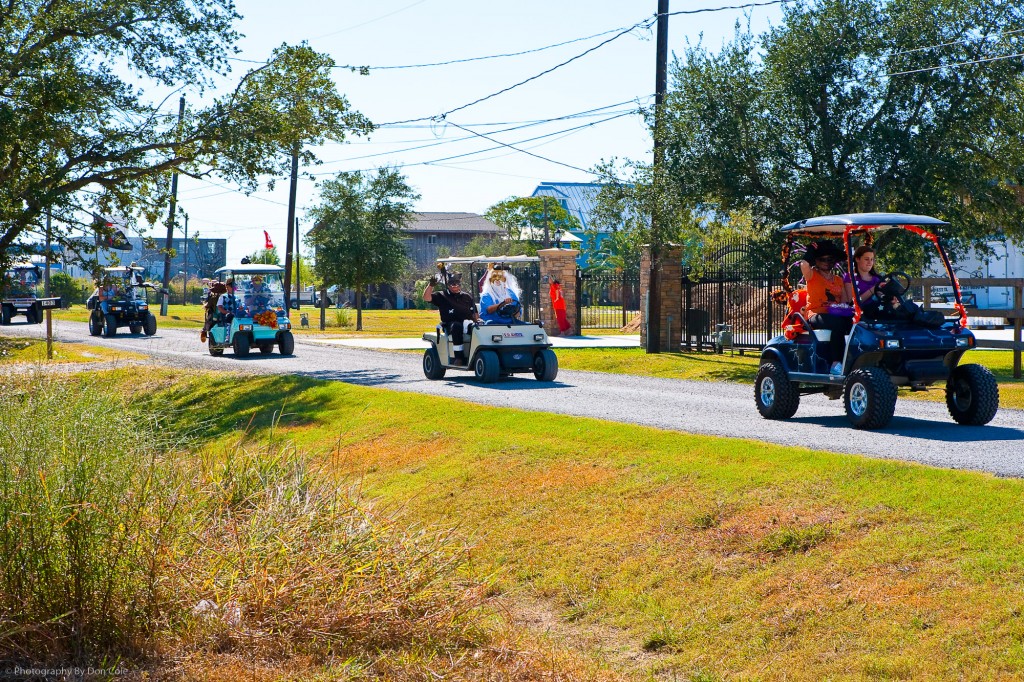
{"points": [[20, 294], [494, 350], [897, 346], [129, 308]]}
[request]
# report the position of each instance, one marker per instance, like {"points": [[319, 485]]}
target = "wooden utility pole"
{"points": [[660, 87], [290, 231], [170, 223], [298, 267]]}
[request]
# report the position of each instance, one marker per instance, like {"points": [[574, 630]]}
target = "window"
{"points": [[211, 247], [431, 238]]}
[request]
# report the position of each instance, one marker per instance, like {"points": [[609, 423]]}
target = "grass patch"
{"points": [[665, 553], [18, 350]]}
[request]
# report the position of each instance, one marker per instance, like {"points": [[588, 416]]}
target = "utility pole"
{"points": [[290, 230], [660, 87], [46, 285], [170, 222], [547, 238]]}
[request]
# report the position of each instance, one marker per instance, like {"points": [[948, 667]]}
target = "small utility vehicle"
{"points": [[129, 308], [259, 319], [492, 350], [20, 294], [900, 346]]}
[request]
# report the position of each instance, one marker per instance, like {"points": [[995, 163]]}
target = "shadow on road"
{"points": [[360, 377], [925, 429]]}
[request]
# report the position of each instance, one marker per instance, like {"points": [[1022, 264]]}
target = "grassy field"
{"points": [[18, 350], [661, 555], [712, 367]]}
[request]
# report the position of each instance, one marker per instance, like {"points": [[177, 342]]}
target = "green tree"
{"points": [[358, 237], [516, 213], [497, 246], [265, 256], [858, 105], [83, 126]]}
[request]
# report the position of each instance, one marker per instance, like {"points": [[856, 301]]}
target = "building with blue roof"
{"points": [[579, 199]]}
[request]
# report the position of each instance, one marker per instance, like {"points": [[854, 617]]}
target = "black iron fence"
{"points": [[607, 300]]}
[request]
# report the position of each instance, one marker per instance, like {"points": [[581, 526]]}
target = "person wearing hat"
{"points": [[456, 308], [499, 301], [134, 277], [825, 294]]}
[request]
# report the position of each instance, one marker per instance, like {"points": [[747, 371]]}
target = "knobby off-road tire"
{"points": [[149, 325], [286, 343], [432, 367], [776, 396], [972, 395], [487, 368], [95, 323], [109, 325], [869, 397], [545, 365], [240, 344]]}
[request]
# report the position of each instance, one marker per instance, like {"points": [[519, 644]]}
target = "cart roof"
{"points": [[490, 259], [250, 268], [24, 265], [837, 224], [123, 269]]}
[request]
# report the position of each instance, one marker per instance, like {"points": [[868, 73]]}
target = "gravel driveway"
{"points": [[920, 432]]}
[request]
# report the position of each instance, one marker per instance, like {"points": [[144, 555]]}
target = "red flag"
{"points": [[270, 244]]}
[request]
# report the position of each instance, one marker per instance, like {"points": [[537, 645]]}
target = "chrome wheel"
{"points": [[767, 392], [858, 399]]}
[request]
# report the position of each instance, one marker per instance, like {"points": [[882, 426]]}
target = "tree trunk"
{"points": [[323, 306], [359, 310]]}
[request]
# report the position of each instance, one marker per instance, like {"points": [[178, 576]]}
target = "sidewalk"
{"points": [[610, 341]]}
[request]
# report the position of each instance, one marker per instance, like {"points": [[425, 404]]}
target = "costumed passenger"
{"points": [[227, 304], [457, 311], [260, 295], [499, 301], [210, 300], [825, 298]]}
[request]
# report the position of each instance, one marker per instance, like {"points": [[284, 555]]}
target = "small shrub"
{"points": [[343, 318]]}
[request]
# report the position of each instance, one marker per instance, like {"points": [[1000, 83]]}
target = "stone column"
{"points": [[558, 264], [670, 281]]}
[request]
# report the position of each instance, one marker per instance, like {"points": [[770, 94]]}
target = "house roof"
{"points": [[451, 222], [578, 197]]}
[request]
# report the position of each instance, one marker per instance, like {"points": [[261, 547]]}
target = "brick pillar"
{"points": [[671, 284], [558, 264]]}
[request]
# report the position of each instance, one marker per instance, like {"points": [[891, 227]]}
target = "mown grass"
{"points": [[737, 368], [678, 556], [121, 550], [20, 350]]}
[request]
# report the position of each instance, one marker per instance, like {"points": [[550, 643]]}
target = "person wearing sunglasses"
{"points": [[457, 310]]}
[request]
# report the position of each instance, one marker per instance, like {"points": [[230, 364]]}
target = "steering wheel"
{"points": [[895, 283], [510, 309]]}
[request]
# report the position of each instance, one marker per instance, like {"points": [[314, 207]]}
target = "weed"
{"points": [[343, 318], [788, 540]]}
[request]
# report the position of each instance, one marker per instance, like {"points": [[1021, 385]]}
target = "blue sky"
{"points": [[403, 32]]}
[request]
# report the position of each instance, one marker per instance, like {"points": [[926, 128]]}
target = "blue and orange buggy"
{"points": [[900, 346]]}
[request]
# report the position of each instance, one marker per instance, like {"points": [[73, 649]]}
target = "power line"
{"points": [[719, 9], [523, 151], [383, 16]]}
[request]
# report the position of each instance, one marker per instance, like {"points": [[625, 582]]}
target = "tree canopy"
{"points": [[525, 217], [357, 237], [858, 105], [79, 133]]}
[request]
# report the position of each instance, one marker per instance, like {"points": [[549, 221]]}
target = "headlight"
{"points": [[284, 325], [143, 307], [245, 327], [892, 343], [496, 338], [115, 307], [538, 337], [963, 342]]}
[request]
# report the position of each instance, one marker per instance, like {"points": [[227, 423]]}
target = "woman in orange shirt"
{"points": [[825, 289]]}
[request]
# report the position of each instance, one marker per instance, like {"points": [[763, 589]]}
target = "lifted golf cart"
{"points": [[259, 319], [492, 350], [20, 294], [901, 346], [129, 309]]}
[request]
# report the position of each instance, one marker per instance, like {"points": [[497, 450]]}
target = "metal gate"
{"points": [[607, 300], [732, 286]]}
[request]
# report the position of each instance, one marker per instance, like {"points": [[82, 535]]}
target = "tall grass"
{"points": [[117, 545], [343, 318]]}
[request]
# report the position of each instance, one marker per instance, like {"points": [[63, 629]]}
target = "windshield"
{"points": [[259, 292]]}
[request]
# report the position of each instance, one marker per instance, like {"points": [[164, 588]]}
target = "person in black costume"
{"points": [[456, 308]]}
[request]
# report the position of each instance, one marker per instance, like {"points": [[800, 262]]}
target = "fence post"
{"points": [[559, 264], [1018, 304]]}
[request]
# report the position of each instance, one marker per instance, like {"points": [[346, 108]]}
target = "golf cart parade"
{"points": [[891, 343], [20, 294], [126, 304], [501, 347], [255, 316]]}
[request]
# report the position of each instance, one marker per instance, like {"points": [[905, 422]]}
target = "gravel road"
{"points": [[920, 432]]}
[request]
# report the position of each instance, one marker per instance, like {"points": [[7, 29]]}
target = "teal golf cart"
{"points": [[258, 319]]}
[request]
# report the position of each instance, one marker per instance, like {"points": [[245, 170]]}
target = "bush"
{"points": [[343, 317]]}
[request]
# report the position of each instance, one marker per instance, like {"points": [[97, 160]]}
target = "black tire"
{"points": [[545, 365], [135, 328], [5, 315], [214, 351], [869, 397], [266, 348], [487, 367], [240, 344], [776, 396], [95, 323], [149, 325], [432, 367], [972, 395], [33, 315], [109, 325], [286, 343]]}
